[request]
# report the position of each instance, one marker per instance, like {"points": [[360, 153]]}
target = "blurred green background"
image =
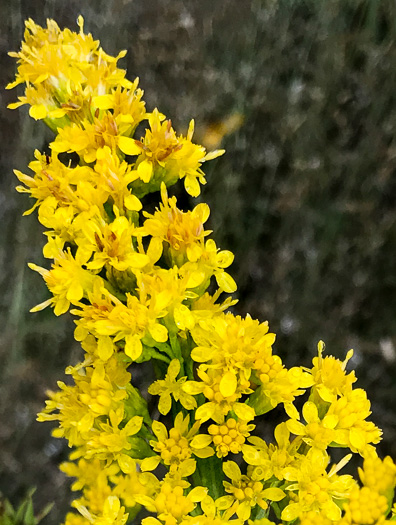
{"points": [[302, 96]]}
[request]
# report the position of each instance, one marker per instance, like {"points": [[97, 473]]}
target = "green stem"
{"points": [[209, 474]]}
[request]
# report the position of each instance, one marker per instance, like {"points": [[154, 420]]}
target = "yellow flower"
{"points": [[126, 105], [109, 244], [76, 519], [129, 487], [110, 442], [88, 471], [318, 433], [170, 386], [269, 459], [131, 322], [313, 489], [231, 342], [171, 505], [87, 138], [67, 281], [365, 506], [98, 390], [223, 392], [245, 492], [177, 447], [352, 429], [330, 377], [51, 179], [69, 67], [182, 232], [112, 177], [164, 157], [378, 474], [230, 436], [113, 513]]}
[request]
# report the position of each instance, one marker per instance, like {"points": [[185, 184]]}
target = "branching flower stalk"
{"points": [[154, 287]]}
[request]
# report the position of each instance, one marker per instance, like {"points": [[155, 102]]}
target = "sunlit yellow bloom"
{"points": [[169, 289], [51, 179], [318, 433], [245, 492], [63, 63], [378, 474], [170, 386], [75, 519], [222, 390], [230, 436], [126, 105], [166, 157], [330, 377], [211, 262], [313, 517], [229, 341], [113, 176], [269, 459], [313, 489], [109, 244], [109, 441], [279, 385], [177, 446], [182, 232], [113, 513], [171, 505], [352, 429], [87, 138], [96, 392], [87, 472], [129, 486], [67, 281], [365, 506], [131, 322]]}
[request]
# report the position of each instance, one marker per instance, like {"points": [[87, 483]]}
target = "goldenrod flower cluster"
{"points": [[153, 286]]}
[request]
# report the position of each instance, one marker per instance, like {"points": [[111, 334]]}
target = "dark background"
{"points": [[304, 197]]}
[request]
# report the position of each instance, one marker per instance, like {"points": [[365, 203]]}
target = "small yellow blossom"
{"points": [[313, 489], [177, 446], [171, 505], [245, 492], [113, 513], [67, 281], [230, 436], [330, 377], [170, 386]]}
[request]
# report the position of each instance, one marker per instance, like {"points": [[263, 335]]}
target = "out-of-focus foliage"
{"points": [[24, 514], [305, 196]]}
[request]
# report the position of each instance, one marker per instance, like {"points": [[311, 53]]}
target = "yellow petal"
{"points": [[129, 146], [228, 384], [38, 111], [158, 332], [273, 493], [232, 471], [105, 347], [198, 494], [132, 203], [150, 463], [213, 155], [192, 186], [127, 464], [145, 170], [133, 347], [225, 282], [103, 101], [357, 438], [244, 411], [201, 441]]}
